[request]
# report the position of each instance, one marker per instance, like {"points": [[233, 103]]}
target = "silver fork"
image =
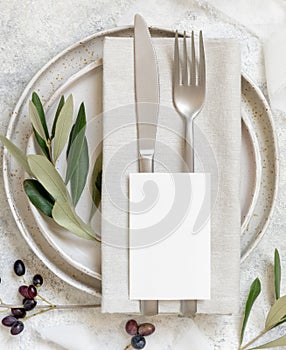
{"points": [[189, 90]]}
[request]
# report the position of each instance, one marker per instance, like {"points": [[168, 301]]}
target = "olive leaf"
{"points": [[17, 154], [79, 124], [276, 313], [60, 106], [281, 322], [38, 104], [273, 344], [78, 179], [48, 176], [42, 143], [63, 127], [66, 217], [36, 121], [254, 292], [277, 274], [38, 196], [75, 144], [96, 180]]}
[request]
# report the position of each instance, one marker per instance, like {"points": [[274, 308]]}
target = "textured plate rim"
{"points": [[254, 244], [26, 91]]}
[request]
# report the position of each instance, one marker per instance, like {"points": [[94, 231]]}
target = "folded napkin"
{"points": [[218, 133]]}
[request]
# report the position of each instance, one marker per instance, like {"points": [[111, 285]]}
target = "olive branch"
{"points": [[46, 189]]}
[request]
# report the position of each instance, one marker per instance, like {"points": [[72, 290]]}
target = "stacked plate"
{"points": [[78, 70]]}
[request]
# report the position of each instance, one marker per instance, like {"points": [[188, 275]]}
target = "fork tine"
{"points": [[202, 64], [185, 62], [176, 73], [193, 62]]}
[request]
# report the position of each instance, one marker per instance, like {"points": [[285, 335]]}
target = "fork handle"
{"points": [[189, 307], [189, 145]]}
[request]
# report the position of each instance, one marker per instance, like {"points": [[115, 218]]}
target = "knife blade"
{"points": [[146, 92], [147, 110]]}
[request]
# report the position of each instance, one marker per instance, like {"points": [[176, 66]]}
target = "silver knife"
{"points": [[147, 109]]}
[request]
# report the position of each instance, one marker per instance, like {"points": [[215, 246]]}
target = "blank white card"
{"points": [[169, 236]]}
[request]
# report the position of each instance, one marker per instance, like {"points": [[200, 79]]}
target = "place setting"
{"points": [[141, 167]]}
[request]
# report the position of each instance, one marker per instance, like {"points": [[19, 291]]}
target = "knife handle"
{"points": [[149, 307], [146, 164]]}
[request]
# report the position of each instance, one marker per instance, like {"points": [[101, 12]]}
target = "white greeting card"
{"points": [[169, 236]]}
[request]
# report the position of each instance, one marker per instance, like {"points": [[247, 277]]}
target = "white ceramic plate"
{"points": [[85, 255], [72, 259]]}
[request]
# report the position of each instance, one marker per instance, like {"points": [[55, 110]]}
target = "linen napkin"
{"points": [[217, 147]]}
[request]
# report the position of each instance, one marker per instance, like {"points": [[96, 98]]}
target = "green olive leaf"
{"points": [[273, 344], [38, 196], [79, 124], [60, 106], [75, 144], [254, 292], [96, 180], [17, 154], [36, 121], [281, 322], [66, 217], [38, 104], [276, 313], [42, 143], [277, 274], [63, 127], [47, 175], [79, 176]]}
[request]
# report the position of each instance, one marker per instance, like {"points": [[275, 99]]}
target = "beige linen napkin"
{"points": [[217, 143]]}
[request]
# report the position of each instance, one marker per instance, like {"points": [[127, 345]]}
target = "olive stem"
{"points": [[45, 300], [77, 306], [49, 308], [10, 306], [49, 145], [4, 310], [46, 308], [59, 307], [253, 340], [129, 346]]}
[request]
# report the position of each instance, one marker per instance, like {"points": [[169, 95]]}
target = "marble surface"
{"points": [[32, 32]]}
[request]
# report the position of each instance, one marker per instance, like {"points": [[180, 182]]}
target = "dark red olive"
{"points": [[23, 290], [146, 329], [131, 327], [32, 291]]}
